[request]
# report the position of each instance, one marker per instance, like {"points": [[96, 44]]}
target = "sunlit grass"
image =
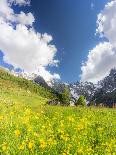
{"points": [[56, 130], [28, 126]]}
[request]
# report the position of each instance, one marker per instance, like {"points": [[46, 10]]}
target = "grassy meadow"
{"points": [[28, 126]]}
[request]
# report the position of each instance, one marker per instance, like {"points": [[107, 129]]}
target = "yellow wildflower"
{"points": [[21, 147], [31, 144], [28, 112], [64, 153], [42, 144], [36, 134], [17, 133], [29, 129], [4, 148], [1, 118], [42, 112], [80, 151], [71, 119], [11, 113], [80, 127]]}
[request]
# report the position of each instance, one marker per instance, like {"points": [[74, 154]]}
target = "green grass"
{"points": [[29, 127], [18, 90], [12, 83]]}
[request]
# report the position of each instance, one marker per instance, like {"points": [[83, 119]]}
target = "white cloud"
{"points": [[5, 10], [107, 22], [7, 13], [20, 2], [25, 19], [22, 46], [47, 75], [100, 61], [102, 57]]}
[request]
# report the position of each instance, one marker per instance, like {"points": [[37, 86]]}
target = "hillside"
{"points": [[28, 127], [14, 89]]}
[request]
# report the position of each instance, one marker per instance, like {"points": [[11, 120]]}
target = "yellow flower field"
{"points": [[57, 130]]}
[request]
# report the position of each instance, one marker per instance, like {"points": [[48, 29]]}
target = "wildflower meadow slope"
{"points": [[29, 127], [61, 130]]}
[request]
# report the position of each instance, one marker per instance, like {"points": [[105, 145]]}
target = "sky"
{"points": [[67, 40]]}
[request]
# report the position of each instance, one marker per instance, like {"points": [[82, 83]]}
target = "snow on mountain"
{"points": [[89, 90]]}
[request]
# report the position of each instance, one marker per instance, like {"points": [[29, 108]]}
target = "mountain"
{"points": [[106, 93], [102, 92], [86, 89], [108, 84], [76, 89], [33, 77], [40, 80], [59, 86]]}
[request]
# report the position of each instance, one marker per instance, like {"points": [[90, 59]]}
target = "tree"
{"points": [[81, 101], [91, 103], [65, 97]]}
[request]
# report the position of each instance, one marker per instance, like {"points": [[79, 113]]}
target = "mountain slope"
{"points": [[102, 92], [40, 80], [107, 90], [18, 90]]}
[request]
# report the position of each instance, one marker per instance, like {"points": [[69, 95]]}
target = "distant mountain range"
{"points": [[102, 92]]}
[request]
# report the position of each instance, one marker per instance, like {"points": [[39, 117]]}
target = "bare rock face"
{"points": [[86, 89], [106, 93], [102, 92], [59, 86], [40, 80]]}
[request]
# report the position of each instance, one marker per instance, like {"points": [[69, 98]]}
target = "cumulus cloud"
{"points": [[22, 46], [20, 2], [47, 75], [25, 19], [102, 58], [8, 14], [107, 22]]}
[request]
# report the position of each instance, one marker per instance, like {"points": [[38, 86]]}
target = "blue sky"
{"points": [[72, 24]]}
